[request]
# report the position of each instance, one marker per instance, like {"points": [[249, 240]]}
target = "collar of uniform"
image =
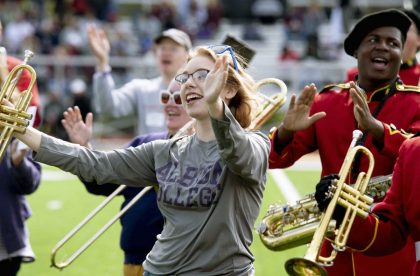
{"points": [[378, 94], [409, 63]]}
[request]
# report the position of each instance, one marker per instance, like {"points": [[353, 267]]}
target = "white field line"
{"points": [[285, 186]]}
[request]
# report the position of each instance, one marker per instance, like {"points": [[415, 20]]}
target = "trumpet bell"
{"points": [[304, 267]]}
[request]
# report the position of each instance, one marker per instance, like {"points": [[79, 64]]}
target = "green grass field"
{"points": [[62, 202]]}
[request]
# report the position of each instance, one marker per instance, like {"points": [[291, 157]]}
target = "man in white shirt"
{"points": [[138, 97]]}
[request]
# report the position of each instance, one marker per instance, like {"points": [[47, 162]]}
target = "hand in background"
{"points": [[79, 132], [99, 44]]}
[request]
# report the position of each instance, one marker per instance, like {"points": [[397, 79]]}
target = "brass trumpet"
{"points": [[15, 119], [356, 203], [271, 105]]}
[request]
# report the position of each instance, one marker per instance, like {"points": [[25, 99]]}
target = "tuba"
{"points": [[353, 199], [285, 226], [15, 119]]}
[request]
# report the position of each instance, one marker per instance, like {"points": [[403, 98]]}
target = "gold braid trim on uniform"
{"points": [[393, 130], [408, 88], [374, 236], [353, 264], [330, 87]]}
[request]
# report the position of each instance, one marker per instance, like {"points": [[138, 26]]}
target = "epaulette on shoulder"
{"points": [[408, 88], [330, 87]]}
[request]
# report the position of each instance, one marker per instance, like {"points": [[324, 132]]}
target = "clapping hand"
{"points": [[360, 107], [297, 116]]}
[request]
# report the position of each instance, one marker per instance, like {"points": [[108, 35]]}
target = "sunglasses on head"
{"points": [[175, 96], [220, 49]]}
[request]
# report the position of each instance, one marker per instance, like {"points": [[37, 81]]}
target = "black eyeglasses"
{"points": [[165, 96], [198, 76], [220, 49]]}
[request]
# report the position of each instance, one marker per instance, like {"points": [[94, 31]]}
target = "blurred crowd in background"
{"points": [[57, 28]]}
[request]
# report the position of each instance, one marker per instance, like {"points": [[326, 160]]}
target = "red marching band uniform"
{"points": [[399, 211], [332, 135]]}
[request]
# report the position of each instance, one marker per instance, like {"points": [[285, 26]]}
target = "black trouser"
{"points": [[10, 267]]}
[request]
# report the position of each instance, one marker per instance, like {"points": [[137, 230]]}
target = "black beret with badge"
{"points": [[385, 18]]}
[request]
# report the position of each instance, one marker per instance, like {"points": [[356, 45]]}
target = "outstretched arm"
{"points": [[31, 137]]}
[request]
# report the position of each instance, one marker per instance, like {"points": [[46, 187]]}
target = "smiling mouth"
{"points": [[193, 97], [379, 63]]}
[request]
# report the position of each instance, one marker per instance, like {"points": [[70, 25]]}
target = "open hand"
{"points": [[99, 45], [297, 116], [79, 132], [216, 80], [361, 110]]}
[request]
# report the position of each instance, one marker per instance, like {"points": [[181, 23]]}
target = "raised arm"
{"points": [[100, 47]]}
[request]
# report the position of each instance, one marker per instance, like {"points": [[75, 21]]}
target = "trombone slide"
{"points": [[77, 253]]}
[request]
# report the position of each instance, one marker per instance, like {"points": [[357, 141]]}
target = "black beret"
{"points": [[414, 16], [385, 18]]}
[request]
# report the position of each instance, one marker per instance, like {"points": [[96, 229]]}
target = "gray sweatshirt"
{"points": [[210, 193], [139, 97]]}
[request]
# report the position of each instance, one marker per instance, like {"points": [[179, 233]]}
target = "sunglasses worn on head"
{"points": [[198, 76], [220, 49], [165, 96]]}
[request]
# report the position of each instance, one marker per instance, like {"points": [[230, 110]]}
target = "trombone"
{"points": [[15, 119], [268, 109], [356, 203]]}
